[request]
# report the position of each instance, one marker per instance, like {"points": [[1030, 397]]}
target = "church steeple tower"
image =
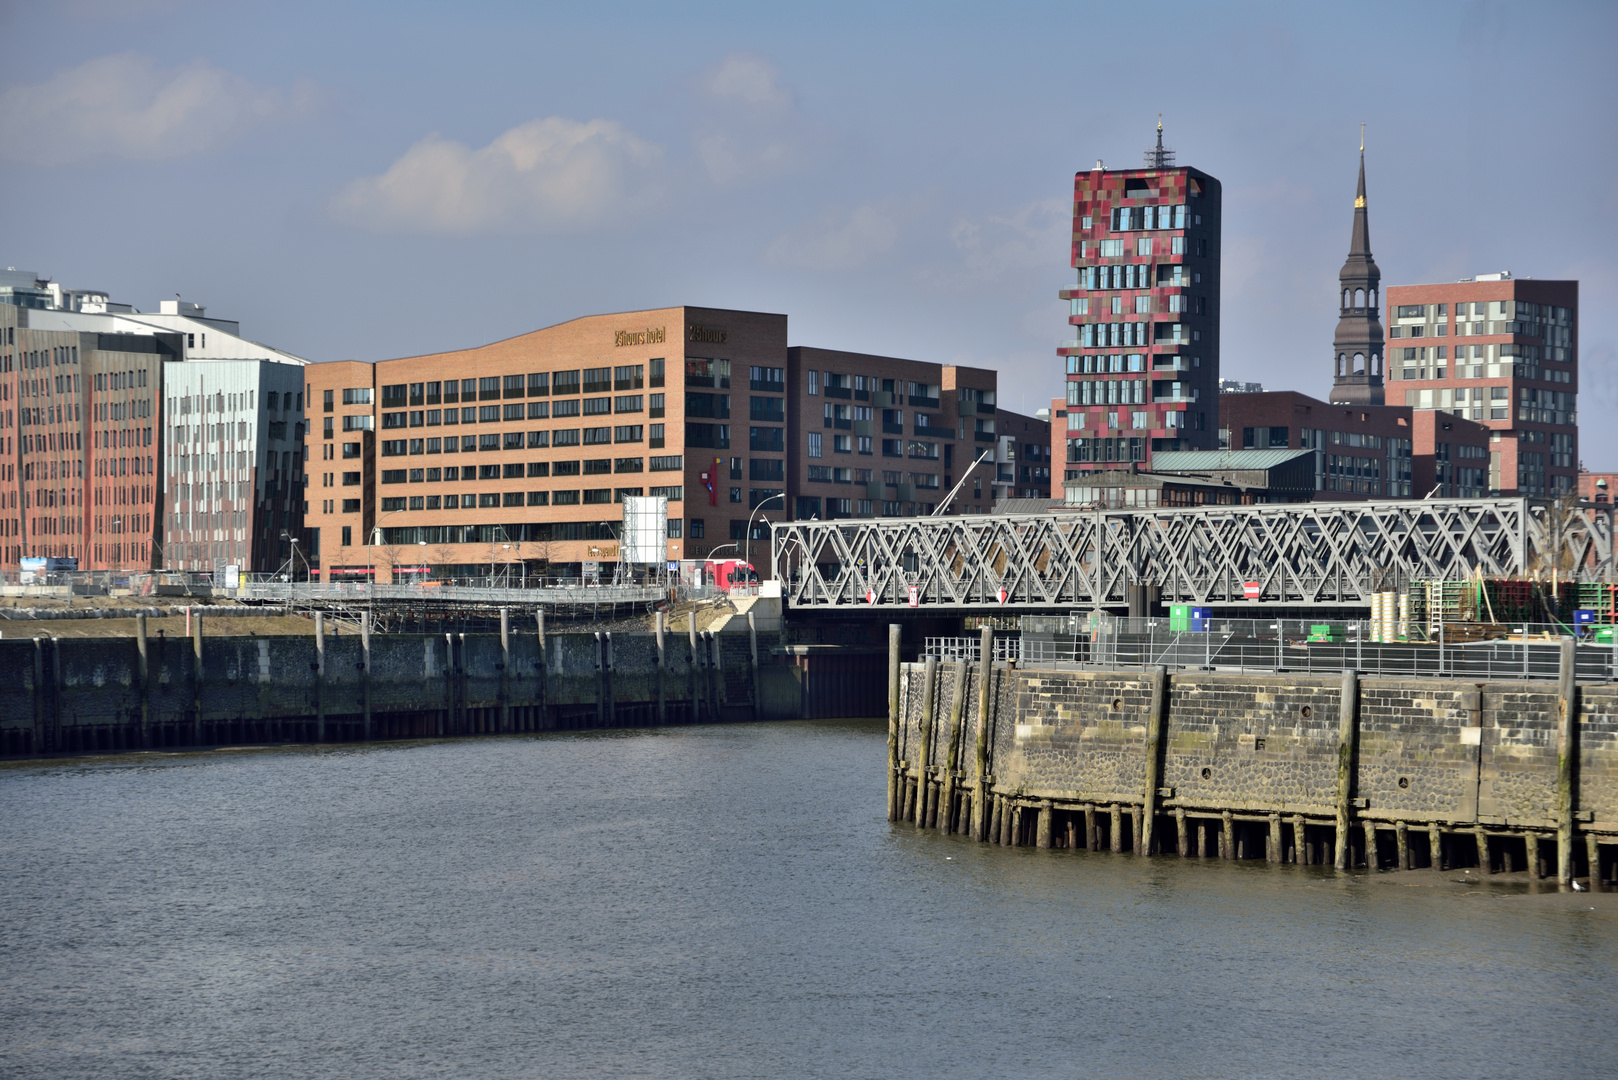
{"points": [[1357, 347]]}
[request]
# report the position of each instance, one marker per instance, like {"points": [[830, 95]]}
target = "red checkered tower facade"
{"points": [[1143, 363]]}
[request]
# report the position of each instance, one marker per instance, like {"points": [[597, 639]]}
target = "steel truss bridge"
{"points": [[1298, 555]]}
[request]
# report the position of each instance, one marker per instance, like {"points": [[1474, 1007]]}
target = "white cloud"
{"points": [[1037, 236], [125, 106], [750, 127], [837, 240], [547, 175]]}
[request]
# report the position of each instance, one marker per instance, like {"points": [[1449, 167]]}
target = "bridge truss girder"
{"points": [[1315, 555]]}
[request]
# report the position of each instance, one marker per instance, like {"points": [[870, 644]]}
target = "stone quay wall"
{"points": [[1351, 771], [97, 695]]}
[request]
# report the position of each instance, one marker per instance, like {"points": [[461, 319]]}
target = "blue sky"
{"points": [[367, 180]]}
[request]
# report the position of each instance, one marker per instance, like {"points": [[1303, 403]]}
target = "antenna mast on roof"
{"points": [[1158, 157]]}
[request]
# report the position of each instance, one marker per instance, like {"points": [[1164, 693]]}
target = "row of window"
{"points": [[533, 410], [496, 499], [535, 384], [520, 440], [1102, 335], [509, 470]]}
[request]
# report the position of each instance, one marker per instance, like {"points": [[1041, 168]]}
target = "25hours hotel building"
{"points": [[522, 450]]}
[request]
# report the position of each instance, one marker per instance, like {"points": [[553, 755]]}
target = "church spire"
{"points": [[1357, 347]]}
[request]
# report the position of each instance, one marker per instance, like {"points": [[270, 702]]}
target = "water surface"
{"points": [[720, 902]]}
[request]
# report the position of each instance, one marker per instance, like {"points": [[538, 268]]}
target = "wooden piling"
{"points": [[1485, 862], [320, 676], [716, 672], [1298, 854], [1276, 851], [365, 671], [447, 726], [952, 764], [929, 693], [662, 671], [894, 810], [1116, 829], [693, 672], [1227, 835], [1401, 836], [505, 671], [1592, 849], [1042, 834], [1091, 841], [601, 682], [752, 645], [1347, 736], [1136, 841], [196, 677], [1566, 759], [1015, 831], [144, 661], [1181, 841], [981, 751], [1154, 757], [1435, 846], [1372, 860]]}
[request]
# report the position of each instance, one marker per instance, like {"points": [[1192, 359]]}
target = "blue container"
{"points": [[1584, 617], [1201, 617]]}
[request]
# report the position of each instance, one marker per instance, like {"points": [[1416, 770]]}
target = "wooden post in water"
{"points": [[981, 764], [957, 710], [1435, 846], [1401, 836], [320, 676], [1299, 856], [662, 670], [894, 783], [1154, 759], [691, 675], [1348, 709], [143, 658], [196, 677], [1276, 850], [609, 662], [544, 675], [1592, 850], [505, 670], [446, 726], [1227, 836], [1181, 843], [1117, 829], [752, 645], [1042, 835], [365, 671], [1090, 839], [1566, 763], [601, 691], [929, 694], [1373, 860]]}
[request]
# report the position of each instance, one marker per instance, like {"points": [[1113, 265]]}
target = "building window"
{"points": [[698, 529], [814, 444]]}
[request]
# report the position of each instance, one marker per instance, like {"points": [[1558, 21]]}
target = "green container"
{"points": [[1326, 632], [1603, 635], [1180, 618]]}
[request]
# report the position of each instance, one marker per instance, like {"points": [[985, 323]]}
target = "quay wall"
{"points": [[1422, 772], [84, 695]]}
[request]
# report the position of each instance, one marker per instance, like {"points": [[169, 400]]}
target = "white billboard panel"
{"points": [[644, 539]]}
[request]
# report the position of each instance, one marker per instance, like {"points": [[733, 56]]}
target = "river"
{"points": [[721, 902]]}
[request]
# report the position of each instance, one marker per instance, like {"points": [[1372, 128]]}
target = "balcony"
{"points": [[892, 429], [837, 392], [923, 402], [983, 436], [934, 432]]}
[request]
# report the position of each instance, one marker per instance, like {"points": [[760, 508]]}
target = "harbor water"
{"points": [[717, 902]]}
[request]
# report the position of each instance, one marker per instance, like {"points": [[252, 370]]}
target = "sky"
{"points": [[366, 181]]}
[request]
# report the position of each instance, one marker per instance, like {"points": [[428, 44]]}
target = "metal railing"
{"points": [[971, 648], [301, 592], [1248, 645]]}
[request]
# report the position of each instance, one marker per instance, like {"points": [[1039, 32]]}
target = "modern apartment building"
{"points": [[1143, 366], [91, 467], [1503, 352], [878, 436]]}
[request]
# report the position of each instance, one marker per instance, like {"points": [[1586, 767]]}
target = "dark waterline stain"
{"points": [[720, 902]]}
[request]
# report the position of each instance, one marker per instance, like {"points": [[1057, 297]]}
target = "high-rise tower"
{"points": [[1143, 363], [1357, 345]]}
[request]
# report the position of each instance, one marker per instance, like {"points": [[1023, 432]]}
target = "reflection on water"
{"points": [[721, 902]]}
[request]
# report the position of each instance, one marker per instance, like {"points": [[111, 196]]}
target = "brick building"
{"points": [[1143, 366], [525, 457], [1502, 352]]}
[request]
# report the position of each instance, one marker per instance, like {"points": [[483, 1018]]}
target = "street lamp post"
{"points": [[748, 539]]}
